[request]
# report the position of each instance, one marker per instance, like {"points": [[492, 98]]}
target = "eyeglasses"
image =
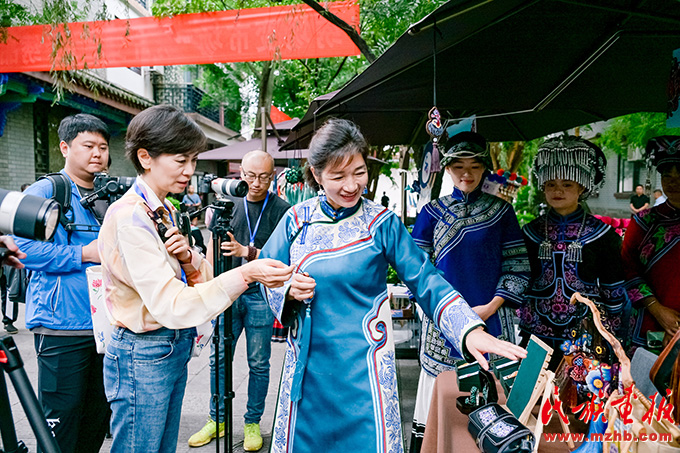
{"points": [[250, 177]]}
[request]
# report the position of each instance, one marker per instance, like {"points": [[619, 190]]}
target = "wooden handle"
{"points": [[626, 377]]}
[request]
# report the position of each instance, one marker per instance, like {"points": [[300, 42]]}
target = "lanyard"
{"points": [[156, 217], [257, 225], [140, 192]]}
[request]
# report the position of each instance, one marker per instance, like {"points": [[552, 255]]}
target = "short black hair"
{"points": [[334, 142], [639, 185], [162, 129], [72, 125]]}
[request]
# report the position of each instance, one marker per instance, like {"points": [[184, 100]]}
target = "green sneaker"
{"points": [[206, 434], [252, 439]]}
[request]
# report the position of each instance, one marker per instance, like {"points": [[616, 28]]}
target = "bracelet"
{"points": [[650, 304], [252, 253]]}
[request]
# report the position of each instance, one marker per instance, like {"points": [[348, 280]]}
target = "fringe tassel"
{"points": [[436, 163], [555, 162], [574, 252], [545, 250]]}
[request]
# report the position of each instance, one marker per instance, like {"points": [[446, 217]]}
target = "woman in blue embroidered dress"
{"points": [[570, 250], [454, 229], [338, 390]]}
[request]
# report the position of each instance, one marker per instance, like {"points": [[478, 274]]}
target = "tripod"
{"points": [[11, 363], [223, 214]]}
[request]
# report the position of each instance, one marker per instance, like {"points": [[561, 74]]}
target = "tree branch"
{"points": [[304, 65], [328, 85], [344, 26]]}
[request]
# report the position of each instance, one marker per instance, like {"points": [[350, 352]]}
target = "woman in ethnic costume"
{"points": [[651, 249], [569, 249], [475, 240], [338, 390]]}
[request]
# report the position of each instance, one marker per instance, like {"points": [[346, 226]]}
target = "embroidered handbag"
{"points": [[590, 366], [495, 429], [622, 436]]}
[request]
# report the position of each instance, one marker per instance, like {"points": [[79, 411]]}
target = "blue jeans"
{"points": [[252, 313], [145, 376]]}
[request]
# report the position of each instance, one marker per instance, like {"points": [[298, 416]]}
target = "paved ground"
{"points": [[195, 408]]}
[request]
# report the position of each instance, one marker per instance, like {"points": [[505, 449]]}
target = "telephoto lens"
{"points": [[28, 216], [230, 187]]}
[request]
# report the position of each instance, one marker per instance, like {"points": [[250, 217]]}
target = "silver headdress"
{"points": [[570, 158]]}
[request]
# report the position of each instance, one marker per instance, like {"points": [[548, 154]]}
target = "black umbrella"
{"points": [[526, 68]]}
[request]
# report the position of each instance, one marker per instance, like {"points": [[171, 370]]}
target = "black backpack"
{"points": [[61, 193]]}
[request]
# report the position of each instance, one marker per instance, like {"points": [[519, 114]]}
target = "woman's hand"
{"points": [[271, 273], [667, 317], [233, 247], [178, 245], [479, 342], [487, 310], [302, 287]]}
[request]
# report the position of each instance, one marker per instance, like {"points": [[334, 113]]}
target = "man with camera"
{"points": [[70, 385], [254, 220]]}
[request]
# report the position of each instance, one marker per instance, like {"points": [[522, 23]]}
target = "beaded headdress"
{"points": [[664, 149], [467, 145], [571, 158]]}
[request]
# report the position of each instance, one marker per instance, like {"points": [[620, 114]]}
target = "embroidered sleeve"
{"points": [[611, 276], [423, 230], [438, 299], [633, 252], [515, 268]]}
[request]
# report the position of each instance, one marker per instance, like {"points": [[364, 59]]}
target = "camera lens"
{"points": [[28, 216], [230, 187]]}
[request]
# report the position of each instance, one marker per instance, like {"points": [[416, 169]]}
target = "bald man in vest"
{"points": [[254, 220]]}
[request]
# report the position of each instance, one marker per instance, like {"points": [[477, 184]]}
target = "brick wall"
{"points": [[120, 166], [17, 161]]}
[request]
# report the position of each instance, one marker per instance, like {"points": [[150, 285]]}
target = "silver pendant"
{"points": [[545, 250], [574, 252]]}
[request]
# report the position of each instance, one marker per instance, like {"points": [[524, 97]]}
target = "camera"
{"points": [[28, 216], [222, 186], [109, 187]]}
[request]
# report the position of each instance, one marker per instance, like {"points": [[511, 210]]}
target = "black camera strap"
{"points": [[158, 221]]}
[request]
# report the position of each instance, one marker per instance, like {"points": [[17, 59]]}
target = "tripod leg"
{"points": [[228, 379], [9, 436], [11, 362], [217, 396], [34, 412]]}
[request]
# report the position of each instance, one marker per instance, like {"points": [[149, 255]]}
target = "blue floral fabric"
{"points": [[349, 398]]}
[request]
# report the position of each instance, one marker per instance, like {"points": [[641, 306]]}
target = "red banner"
{"points": [[286, 32]]}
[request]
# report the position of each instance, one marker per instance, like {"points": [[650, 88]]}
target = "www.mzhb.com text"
{"points": [[608, 437]]}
